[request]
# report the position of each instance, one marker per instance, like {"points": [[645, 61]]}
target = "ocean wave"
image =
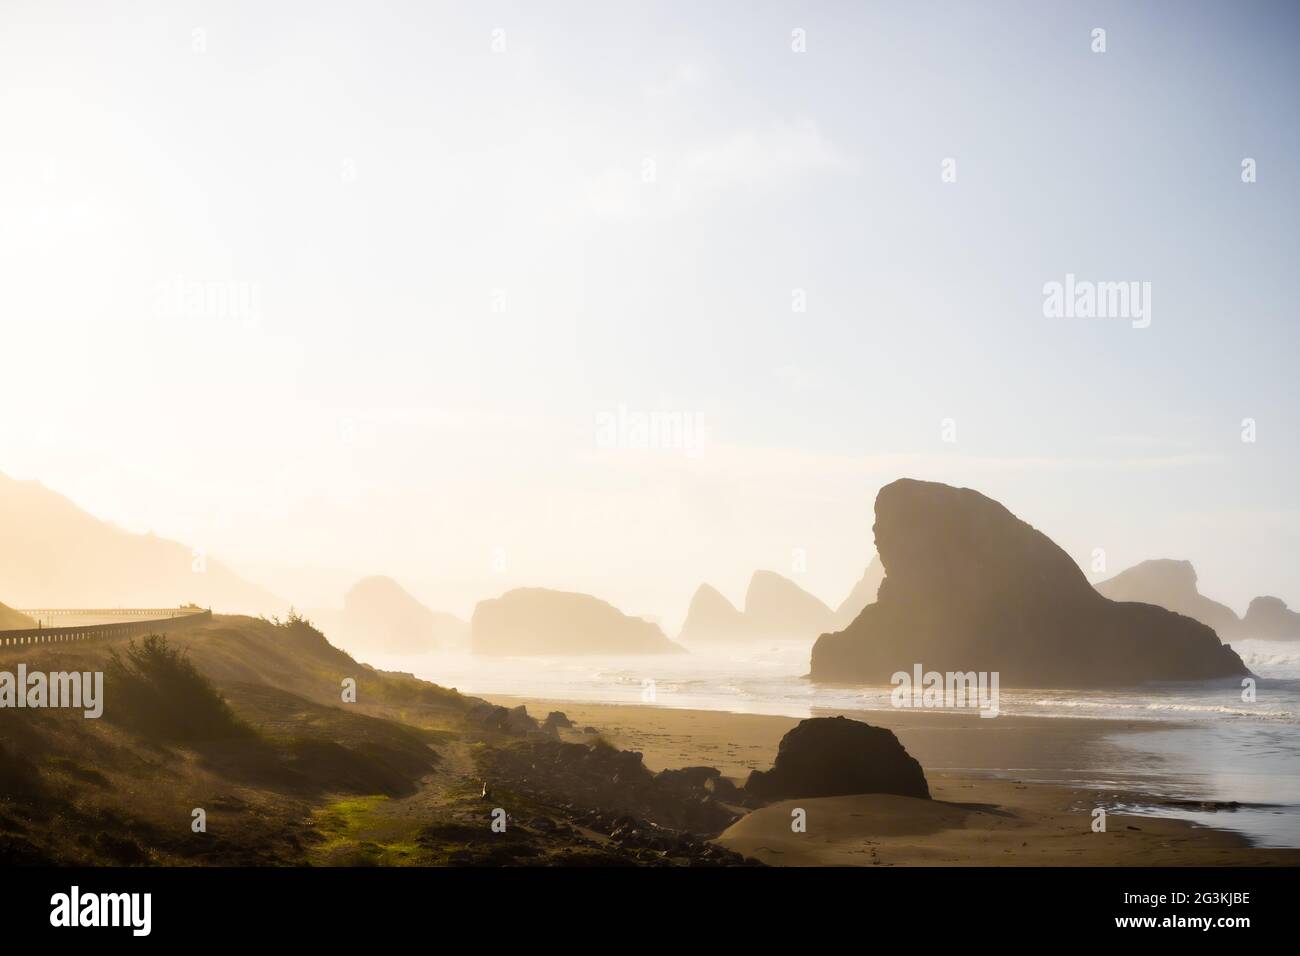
{"points": [[1103, 708]]}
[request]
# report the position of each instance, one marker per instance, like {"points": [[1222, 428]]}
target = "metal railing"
{"points": [[166, 619]]}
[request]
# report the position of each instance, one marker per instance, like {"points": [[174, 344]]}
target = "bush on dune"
{"points": [[154, 689]]}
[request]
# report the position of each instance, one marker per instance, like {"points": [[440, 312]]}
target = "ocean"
{"points": [[1205, 746]]}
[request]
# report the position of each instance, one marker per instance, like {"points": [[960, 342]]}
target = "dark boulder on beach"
{"points": [[970, 587], [834, 757]]}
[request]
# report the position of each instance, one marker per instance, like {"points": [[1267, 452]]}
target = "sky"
{"points": [[331, 289]]}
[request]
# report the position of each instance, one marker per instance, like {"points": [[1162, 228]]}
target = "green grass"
{"points": [[358, 832]]}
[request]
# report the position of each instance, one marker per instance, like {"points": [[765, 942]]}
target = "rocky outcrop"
{"points": [[536, 621], [1171, 585], [712, 619], [1269, 618], [616, 782], [697, 783], [779, 609], [380, 616], [863, 593], [834, 757], [558, 720], [11, 620], [970, 587], [503, 720]]}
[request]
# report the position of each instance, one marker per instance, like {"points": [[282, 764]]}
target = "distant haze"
{"points": [[643, 298]]}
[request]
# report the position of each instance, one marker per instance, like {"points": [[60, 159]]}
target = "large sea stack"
{"points": [[712, 619], [779, 609], [863, 593], [970, 587], [1270, 618], [1172, 585], [531, 621], [379, 615]]}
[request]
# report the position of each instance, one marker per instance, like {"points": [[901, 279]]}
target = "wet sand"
{"points": [[991, 805]]}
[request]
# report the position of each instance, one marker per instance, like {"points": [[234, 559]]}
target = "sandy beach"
{"points": [[993, 803]]}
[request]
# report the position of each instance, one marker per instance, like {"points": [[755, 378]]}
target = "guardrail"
{"points": [[89, 632], [152, 612]]}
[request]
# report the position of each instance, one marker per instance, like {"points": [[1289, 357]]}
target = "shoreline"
{"points": [[940, 740], [1012, 790]]}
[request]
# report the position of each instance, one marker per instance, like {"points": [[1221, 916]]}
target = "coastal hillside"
{"points": [[297, 754], [971, 587], [13, 620], [54, 554]]}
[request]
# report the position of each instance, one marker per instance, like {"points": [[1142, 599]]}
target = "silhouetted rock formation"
{"points": [[540, 621], [11, 620], [778, 608], [1271, 619], [379, 615], [1171, 585], [775, 609], [970, 587], [863, 593], [712, 619], [834, 757]]}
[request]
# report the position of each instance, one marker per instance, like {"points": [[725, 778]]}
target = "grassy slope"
{"points": [[391, 779], [90, 791]]}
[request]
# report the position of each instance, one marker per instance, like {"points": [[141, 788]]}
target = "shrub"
{"points": [[156, 690]]}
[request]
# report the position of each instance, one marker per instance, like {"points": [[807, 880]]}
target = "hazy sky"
{"points": [[359, 288]]}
